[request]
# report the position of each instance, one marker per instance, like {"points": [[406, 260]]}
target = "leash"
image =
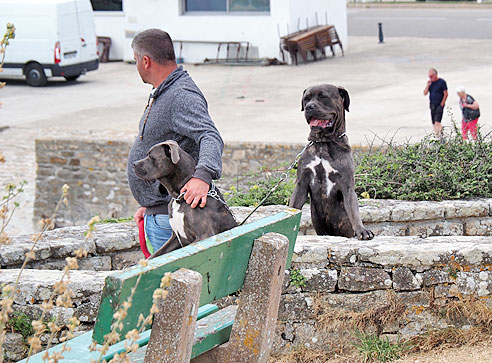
{"points": [[283, 176], [215, 195]]}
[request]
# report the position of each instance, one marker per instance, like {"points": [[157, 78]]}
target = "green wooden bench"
{"points": [[249, 258]]}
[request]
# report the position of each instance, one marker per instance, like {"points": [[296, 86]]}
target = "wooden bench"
{"points": [[311, 40], [249, 258]]}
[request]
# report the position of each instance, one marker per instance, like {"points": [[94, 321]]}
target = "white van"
{"points": [[52, 38]]}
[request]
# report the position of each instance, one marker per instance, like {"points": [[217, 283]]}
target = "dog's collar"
{"points": [[211, 193], [326, 140], [179, 199]]}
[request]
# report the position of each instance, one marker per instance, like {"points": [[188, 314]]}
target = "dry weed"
{"points": [[330, 319]]}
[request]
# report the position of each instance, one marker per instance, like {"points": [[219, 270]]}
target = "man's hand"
{"points": [[139, 214], [442, 104], [195, 192]]}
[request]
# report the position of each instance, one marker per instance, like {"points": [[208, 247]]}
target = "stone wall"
{"points": [[417, 276], [95, 170], [412, 278]]}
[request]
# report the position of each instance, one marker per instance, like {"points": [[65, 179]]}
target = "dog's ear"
{"points": [[173, 148], [345, 97], [302, 100]]}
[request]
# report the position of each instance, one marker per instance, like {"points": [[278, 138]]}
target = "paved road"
{"points": [[423, 22]]}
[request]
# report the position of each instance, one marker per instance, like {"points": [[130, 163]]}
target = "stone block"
{"points": [[472, 283], [116, 241], [405, 280], [122, 260], [36, 285], [436, 228], [15, 253], [417, 211], [387, 228], [320, 280], [478, 227], [435, 277], [296, 307], [96, 263], [14, 347], [363, 279], [374, 213], [466, 208]]}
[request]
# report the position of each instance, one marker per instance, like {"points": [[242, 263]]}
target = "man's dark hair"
{"points": [[156, 44]]}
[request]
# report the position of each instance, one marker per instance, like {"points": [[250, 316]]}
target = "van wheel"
{"points": [[35, 75], [72, 78]]}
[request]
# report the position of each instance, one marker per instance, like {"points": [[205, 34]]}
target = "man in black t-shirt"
{"points": [[438, 93]]}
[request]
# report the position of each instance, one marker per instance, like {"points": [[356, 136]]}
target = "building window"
{"points": [[107, 5], [249, 5], [227, 5]]}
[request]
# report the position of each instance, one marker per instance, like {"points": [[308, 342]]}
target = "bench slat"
{"points": [[222, 260], [210, 332], [79, 346]]}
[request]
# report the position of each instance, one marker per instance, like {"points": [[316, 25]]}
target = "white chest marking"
{"points": [[328, 170], [177, 220]]}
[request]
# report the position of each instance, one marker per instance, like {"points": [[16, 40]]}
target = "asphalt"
{"points": [[256, 104]]}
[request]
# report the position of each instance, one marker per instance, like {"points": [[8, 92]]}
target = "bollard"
{"points": [[381, 38]]}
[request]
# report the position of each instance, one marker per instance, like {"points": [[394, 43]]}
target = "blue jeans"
{"points": [[157, 231]]}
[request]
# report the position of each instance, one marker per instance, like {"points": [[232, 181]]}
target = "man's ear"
{"points": [[171, 148], [345, 97], [146, 61], [302, 100]]}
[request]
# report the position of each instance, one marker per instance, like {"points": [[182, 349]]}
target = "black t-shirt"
{"points": [[436, 91]]}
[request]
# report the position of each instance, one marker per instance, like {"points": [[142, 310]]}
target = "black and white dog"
{"points": [[173, 167], [326, 169]]}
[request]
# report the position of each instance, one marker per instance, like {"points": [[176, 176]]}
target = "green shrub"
{"points": [[376, 349], [258, 190], [296, 278], [430, 169], [21, 323]]}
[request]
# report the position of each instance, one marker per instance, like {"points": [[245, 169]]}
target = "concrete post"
{"points": [[171, 339], [254, 327]]}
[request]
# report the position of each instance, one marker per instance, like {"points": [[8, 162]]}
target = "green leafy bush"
{"points": [[257, 190], [376, 349], [430, 169], [21, 323]]}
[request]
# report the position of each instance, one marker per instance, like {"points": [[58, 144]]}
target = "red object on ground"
{"points": [[141, 237]]}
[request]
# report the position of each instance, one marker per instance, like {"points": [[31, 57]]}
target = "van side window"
{"points": [[107, 5]]}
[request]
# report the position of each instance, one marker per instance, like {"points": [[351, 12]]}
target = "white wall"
{"points": [[261, 30], [112, 24]]}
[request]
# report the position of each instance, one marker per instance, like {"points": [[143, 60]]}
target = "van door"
{"points": [[68, 34], [87, 31]]}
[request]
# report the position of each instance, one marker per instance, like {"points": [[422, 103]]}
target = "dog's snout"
{"points": [[139, 169], [310, 107]]}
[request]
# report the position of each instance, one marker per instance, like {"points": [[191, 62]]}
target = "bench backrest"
{"points": [[222, 260]]}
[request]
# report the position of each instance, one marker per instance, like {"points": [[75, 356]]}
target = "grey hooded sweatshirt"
{"points": [[177, 110]]}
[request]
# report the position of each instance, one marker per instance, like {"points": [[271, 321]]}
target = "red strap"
{"points": [[141, 237]]}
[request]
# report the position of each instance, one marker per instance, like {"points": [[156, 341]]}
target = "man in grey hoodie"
{"points": [[176, 110]]}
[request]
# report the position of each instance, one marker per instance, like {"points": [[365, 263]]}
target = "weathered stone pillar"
{"points": [[171, 339], [254, 327]]}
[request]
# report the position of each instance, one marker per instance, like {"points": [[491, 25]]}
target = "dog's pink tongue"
{"points": [[316, 122]]}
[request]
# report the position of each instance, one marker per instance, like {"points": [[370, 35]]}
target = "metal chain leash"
{"points": [[283, 176], [212, 193]]}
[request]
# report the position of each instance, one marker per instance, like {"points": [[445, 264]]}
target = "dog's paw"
{"points": [[364, 234]]}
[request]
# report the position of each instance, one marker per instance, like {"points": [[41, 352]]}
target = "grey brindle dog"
{"points": [[173, 167], [326, 169]]}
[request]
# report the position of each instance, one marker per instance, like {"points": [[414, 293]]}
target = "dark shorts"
{"points": [[436, 113]]}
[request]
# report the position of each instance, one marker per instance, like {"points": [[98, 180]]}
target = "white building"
{"points": [[201, 24]]}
